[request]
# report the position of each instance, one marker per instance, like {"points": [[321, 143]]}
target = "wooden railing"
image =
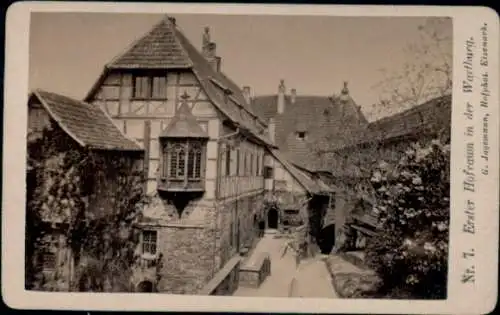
{"points": [[225, 282]]}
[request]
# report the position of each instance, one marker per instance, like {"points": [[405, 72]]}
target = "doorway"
{"points": [[272, 219]]}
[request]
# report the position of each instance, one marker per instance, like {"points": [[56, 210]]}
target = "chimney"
{"points": [[293, 95], [281, 97], [344, 94], [246, 94], [209, 50], [205, 42], [271, 130]]}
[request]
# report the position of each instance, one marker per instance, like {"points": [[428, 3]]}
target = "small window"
{"points": [[147, 87], [268, 172], [149, 242], [301, 135], [142, 87], [159, 90], [49, 261], [237, 172], [228, 161], [251, 164]]}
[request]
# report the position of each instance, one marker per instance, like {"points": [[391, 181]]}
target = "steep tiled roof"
{"points": [[429, 116], [166, 47], [87, 124], [159, 48], [184, 125], [328, 122]]}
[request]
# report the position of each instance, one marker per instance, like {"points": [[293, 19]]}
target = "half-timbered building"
{"points": [[205, 154]]}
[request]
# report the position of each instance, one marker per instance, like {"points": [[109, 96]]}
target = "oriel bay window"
{"points": [[183, 146], [183, 163]]}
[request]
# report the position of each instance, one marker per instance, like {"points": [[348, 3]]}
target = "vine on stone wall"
{"points": [[91, 197]]}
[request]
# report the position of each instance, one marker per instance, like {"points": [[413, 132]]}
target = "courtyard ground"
{"points": [[310, 279]]}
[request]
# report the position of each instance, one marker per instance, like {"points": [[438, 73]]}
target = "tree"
{"points": [[426, 73], [410, 254]]}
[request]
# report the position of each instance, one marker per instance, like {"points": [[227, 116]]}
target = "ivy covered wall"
{"points": [[90, 199]]}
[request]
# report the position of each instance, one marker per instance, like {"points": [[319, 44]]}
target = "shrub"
{"points": [[410, 254]]}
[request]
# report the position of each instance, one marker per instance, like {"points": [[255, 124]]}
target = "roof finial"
{"points": [[185, 96]]}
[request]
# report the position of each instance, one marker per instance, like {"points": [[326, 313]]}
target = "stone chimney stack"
{"points": [[293, 96], [247, 94], [281, 97], [344, 94], [209, 50], [271, 130]]}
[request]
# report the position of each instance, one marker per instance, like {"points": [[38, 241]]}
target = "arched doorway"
{"points": [[272, 218], [145, 286], [326, 239]]}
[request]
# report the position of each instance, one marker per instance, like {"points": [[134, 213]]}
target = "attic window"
{"points": [[150, 86], [301, 135]]}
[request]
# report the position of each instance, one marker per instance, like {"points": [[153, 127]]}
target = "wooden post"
{"points": [[147, 143]]}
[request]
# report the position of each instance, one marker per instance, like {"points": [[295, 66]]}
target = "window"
{"points": [[49, 260], [237, 162], [149, 240], [182, 160], [146, 86], [251, 164], [159, 90], [245, 164], [228, 161], [142, 88], [268, 172], [301, 135], [257, 171]]}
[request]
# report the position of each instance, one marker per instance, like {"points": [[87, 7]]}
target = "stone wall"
{"points": [[188, 261], [237, 225]]}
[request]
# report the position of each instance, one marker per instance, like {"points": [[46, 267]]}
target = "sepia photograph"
{"points": [[314, 171], [246, 155]]}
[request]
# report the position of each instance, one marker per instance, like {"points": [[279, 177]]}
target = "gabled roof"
{"points": [[166, 47], [327, 122], [87, 124], [313, 186], [184, 125]]}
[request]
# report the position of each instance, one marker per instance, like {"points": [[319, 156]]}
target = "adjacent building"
{"points": [[304, 127], [62, 134]]}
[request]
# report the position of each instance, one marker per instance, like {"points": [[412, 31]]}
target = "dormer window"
{"points": [[301, 135], [183, 151]]}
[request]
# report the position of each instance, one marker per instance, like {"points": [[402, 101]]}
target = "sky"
{"points": [[314, 55]]}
